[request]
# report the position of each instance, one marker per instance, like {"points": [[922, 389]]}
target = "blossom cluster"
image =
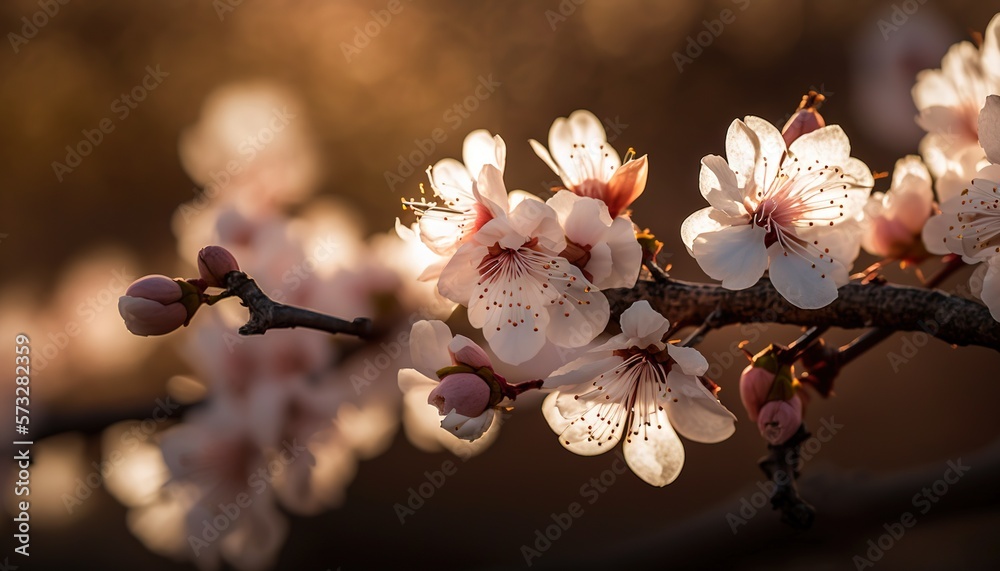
{"points": [[791, 205]]}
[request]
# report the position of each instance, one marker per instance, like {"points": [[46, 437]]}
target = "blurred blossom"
{"points": [[893, 219], [251, 146], [884, 72], [58, 465], [949, 100], [81, 330], [136, 471], [213, 465]]}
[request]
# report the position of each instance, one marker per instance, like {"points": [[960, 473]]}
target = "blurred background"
{"points": [[118, 113]]}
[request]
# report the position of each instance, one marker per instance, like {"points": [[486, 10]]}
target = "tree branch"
{"points": [[952, 319], [266, 313]]}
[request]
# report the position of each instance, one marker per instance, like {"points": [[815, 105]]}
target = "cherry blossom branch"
{"points": [[266, 313], [952, 319]]}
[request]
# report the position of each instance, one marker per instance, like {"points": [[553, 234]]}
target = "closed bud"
{"points": [[465, 393], [806, 119], [156, 305], [780, 419], [214, 262], [755, 385]]}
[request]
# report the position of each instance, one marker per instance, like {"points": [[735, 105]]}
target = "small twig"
{"points": [[266, 313], [655, 270], [870, 339], [512, 390], [698, 334]]}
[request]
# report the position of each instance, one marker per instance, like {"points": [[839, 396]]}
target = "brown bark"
{"points": [[952, 319]]}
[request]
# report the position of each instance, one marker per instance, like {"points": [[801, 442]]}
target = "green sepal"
{"points": [[784, 386], [767, 359], [191, 298]]}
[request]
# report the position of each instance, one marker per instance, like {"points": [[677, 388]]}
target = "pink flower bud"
{"points": [[214, 262], [755, 385], [780, 419], [806, 119], [465, 393], [153, 305]]}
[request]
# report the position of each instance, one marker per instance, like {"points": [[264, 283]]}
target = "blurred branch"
{"points": [[265, 313], [951, 319]]}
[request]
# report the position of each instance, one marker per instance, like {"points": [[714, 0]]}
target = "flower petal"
{"points": [[458, 278], [643, 325], [595, 425], [468, 428], [935, 234], [803, 280], [695, 412], [735, 254], [429, 347], [742, 153], [491, 191], [626, 255], [989, 128], [705, 220], [557, 422], [481, 148], [991, 287], [465, 350], [689, 359], [653, 451], [583, 370], [828, 146], [719, 186]]}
